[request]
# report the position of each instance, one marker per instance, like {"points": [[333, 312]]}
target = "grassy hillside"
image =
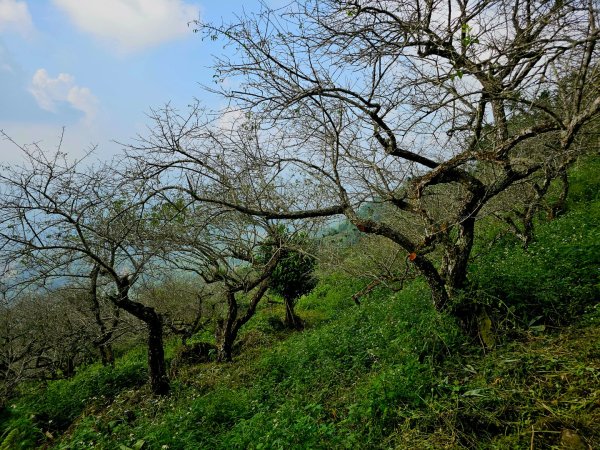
{"points": [[391, 373]]}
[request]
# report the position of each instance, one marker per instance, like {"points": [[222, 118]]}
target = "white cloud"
{"points": [[230, 118], [131, 24], [14, 16], [81, 98], [50, 93]]}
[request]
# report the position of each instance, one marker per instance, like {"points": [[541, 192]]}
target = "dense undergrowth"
{"points": [[392, 373]]}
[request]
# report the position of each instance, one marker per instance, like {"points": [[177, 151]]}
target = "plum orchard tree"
{"points": [[60, 221], [186, 307], [41, 337], [410, 104], [47, 332], [220, 247]]}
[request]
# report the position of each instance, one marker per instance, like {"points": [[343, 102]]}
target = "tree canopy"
{"points": [[431, 110]]}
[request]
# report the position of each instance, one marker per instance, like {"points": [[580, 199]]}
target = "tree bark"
{"points": [[106, 354], [292, 320], [227, 331], [103, 345], [559, 206], [434, 280], [159, 381], [456, 258], [225, 347]]}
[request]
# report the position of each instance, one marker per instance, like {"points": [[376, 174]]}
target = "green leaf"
{"points": [[473, 393]]}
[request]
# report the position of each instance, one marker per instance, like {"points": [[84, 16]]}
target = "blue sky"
{"points": [[97, 66]]}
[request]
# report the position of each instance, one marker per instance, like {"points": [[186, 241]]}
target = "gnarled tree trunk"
{"points": [[292, 320], [157, 369], [227, 330]]}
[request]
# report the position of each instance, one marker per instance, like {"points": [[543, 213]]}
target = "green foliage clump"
{"points": [[293, 276], [16, 430]]}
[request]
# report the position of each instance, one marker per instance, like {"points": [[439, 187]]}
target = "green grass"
{"points": [[554, 280], [339, 384], [392, 373], [54, 405]]}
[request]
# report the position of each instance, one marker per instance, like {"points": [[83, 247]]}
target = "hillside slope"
{"points": [[391, 373]]}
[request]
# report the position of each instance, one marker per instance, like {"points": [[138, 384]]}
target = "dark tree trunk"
{"points": [[225, 347], [103, 345], [456, 258], [447, 282], [454, 272], [434, 280], [559, 206], [292, 321], [107, 356], [226, 330], [159, 381], [527, 235], [69, 368]]}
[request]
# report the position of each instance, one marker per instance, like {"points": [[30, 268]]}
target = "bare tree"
{"points": [[371, 257], [23, 348], [221, 247], [528, 199], [107, 326], [415, 106], [186, 305], [63, 221], [45, 335]]}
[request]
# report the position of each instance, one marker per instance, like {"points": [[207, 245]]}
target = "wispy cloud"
{"points": [[131, 24], [50, 93], [14, 16]]}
